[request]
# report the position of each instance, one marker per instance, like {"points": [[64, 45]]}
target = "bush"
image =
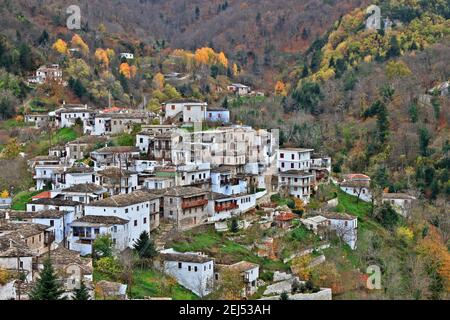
{"points": [[108, 266], [266, 276]]}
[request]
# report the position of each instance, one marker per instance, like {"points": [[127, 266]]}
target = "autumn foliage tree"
{"points": [[101, 56], [60, 46], [127, 70], [78, 42]]}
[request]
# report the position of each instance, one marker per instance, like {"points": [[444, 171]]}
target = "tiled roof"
{"points": [[55, 202], [115, 172], [101, 220], [185, 257], [118, 149], [22, 229], [12, 246], [84, 188], [338, 216], [241, 266], [124, 200], [61, 258]]}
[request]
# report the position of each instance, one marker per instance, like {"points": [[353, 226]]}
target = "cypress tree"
{"points": [[144, 246], [47, 286], [81, 293]]}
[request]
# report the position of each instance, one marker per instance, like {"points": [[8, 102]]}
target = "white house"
{"points": [[358, 185], [85, 230], [139, 207], [121, 156], [153, 183], [184, 110], [84, 193], [67, 116], [217, 115], [75, 175], [401, 202], [345, 225], [116, 180], [60, 204], [39, 119], [239, 89], [194, 271]]}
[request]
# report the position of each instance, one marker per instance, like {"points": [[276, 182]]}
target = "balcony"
{"points": [[194, 203], [226, 206]]}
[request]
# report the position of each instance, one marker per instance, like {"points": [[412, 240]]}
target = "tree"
{"points": [[158, 81], [47, 286], [103, 246], [127, 71], [424, 141], [101, 56], [387, 216], [145, 247], [81, 293], [7, 104], [396, 69], [43, 38], [234, 225], [78, 42], [284, 296], [280, 88], [60, 46]]}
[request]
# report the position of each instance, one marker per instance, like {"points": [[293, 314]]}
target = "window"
{"points": [[292, 156], [145, 220], [126, 210], [292, 166], [21, 264], [52, 223], [180, 265], [96, 231], [282, 164], [189, 268], [282, 155], [135, 223], [195, 269]]}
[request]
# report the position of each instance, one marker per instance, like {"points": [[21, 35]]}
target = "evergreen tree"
{"points": [[225, 103], [145, 246], [43, 38], [234, 225], [81, 293], [47, 286], [284, 296]]}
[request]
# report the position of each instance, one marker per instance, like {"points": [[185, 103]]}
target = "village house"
{"points": [[37, 237], [239, 89], [121, 157], [184, 111], [86, 229], [80, 148], [68, 115], [344, 225], [155, 182], [56, 220], [40, 120], [115, 123], [249, 272], [57, 203], [284, 219], [401, 202], [84, 192], [47, 73], [77, 174], [116, 180], [16, 257], [160, 147], [216, 114], [141, 208], [70, 268], [44, 169], [358, 185], [193, 270], [222, 206], [185, 206]]}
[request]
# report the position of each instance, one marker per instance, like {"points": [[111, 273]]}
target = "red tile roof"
{"points": [[285, 216], [42, 195]]}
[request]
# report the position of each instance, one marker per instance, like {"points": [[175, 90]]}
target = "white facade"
{"points": [[23, 264], [193, 271]]}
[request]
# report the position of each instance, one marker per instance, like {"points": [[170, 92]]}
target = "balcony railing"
{"points": [[226, 207], [194, 203]]}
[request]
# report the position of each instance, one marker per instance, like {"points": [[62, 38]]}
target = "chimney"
{"points": [[11, 244], [64, 102]]}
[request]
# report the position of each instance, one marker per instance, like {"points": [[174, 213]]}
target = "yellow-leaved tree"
{"points": [[102, 56], [158, 81], [4, 194], [60, 46], [280, 88], [78, 42], [127, 70]]}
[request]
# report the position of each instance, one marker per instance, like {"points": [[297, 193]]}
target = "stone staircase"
{"points": [[164, 233]]}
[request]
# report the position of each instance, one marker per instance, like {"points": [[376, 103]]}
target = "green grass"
{"points": [[12, 123], [152, 283], [217, 245], [124, 139], [350, 204], [22, 198], [63, 135]]}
